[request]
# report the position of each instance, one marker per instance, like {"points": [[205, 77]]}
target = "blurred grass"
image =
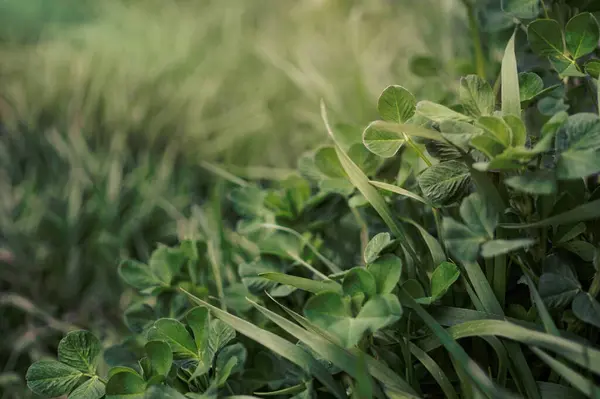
{"points": [[108, 108]]}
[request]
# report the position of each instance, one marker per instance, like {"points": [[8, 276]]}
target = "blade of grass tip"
{"points": [[471, 368], [280, 346], [224, 174], [511, 100], [361, 182], [482, 288], [399, 190], [332, 266], [435, 249], [342, 358], [581, 213], [581, 354], [583, 384], [435, 370]]}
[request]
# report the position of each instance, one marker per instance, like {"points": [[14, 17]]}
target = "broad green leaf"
{"points": [[540, 182], [165, 392], [250, 274], [442, 279], [581, 248], [407, 129], [461, 241], [494, 248], [160, 357], [556, 122], [139, 317], [558, 285], [364, 159], [125, 385], [577, 164], [444, 183], [176, 335], [476, 96], [359, 280], [396, 104], [237, 351], [336, 186], [376, 245], [587, 211], [478, 215], [165, 262], [439, 113], [592, 68], [302, 283], [487, 145], [582, 132], [511, 102], [565, 67], [81, 350], [545, 37], [497, 128], [530, 85], [220, 335], [379, 312], [51, 378], [424, 66], [327, 162], [91, 389], [459, 133], [386, 270], [415, 290], [198, 320], [567, 233], [582, 34], [518, 130], [278, 345], [587, 309], [138, 275], [382, 142], [248, 201], [526, 9]]}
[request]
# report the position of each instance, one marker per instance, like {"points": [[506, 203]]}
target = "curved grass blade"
{"points": [[585, 385], [588, 211], [304, 284], [399, 190], [277, 344], [435, 370], [437, 252]]}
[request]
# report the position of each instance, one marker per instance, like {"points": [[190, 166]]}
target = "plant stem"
{"points": [[476, 37]]}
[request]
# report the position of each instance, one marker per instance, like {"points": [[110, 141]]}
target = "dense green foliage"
{"points": [[449, 249]]}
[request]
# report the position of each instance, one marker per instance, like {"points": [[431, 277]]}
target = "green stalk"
{"points": [[476, 37]]}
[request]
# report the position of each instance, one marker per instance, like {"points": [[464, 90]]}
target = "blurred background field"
{"points": [[107, 110]]}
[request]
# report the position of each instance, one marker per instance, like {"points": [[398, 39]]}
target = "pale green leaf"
{"points": [[375, 246], [511, 102], [386, 270], [501, 247], [476, 96], [396, 104], [530, 85], [439, 113], [304, 284], [91, 389], [540, 182]]}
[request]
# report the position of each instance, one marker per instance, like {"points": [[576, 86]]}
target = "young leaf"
{"points": [[592, 68], [545, 37], [51, 378], [511, 102], [125, 385], [445, 182], [530, 85], [358, 280], [138, 317], [176, 335], [540, 182], [497, 128], [582, 34], [248, 201], [587, 309], [81, 350], [518, 130], [442, 279], [476, 96], [160, 357], [376, 245], [396, 104], [386, 271], [91, 389]]}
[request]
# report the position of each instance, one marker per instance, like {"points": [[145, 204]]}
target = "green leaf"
{"points": [[138, 275], [476, 96], [530, 85], [435, 249], [387, 271], [198, 320], [459, 133], [302, 283], [91, 389], [565, 67], [237, 351], [582, 34], [424, 66], [139, 317], [577, 164], [582, 132], [556, 122], [460, 240], [539, 182], [592, 68], [478, 215], [439, 113], [379, 312], [545, 37], [248, 201], [278, 345], [328, 163], [51, 378], [587, 309], [497, 128], [382, 142], [444, 183], [518, 130], [125, 385], [376, 245], [441, 280], [81, 350], [487, 145], [396, 104], [176, 335], [558, 285], [511, 102], [160, 357], [251, 274], [359, 280], [526, 9], [165, 392], [220, 335], [501, 247], [398, 190], [364, 159]]}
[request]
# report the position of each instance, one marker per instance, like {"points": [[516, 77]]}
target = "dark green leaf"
{"points": [[558, 284], [539, 182], [545, 37], [582, 35], [125, 385], [592, 68], [91, 389], [530, 85], [51, 378], [442, 279], [160, 357], [139, 317], [138, 275], [376, 245], [587, 309], [81, 350], [387, 271], [176, 335], [445, 182], [424, 66], [359, 280]]}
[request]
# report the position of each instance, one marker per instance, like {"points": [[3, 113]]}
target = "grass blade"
{"points": [[584, 212], [399, 190], [410, 130], [304, 284], [435, 370], [511, 100]]}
